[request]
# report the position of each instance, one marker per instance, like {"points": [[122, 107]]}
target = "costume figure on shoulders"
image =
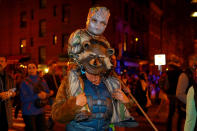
{"points": [[89, 98], [95, 26]]}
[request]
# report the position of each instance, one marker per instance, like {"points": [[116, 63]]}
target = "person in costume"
{"points": [[93, 87], [95, 26], [89, 97]]}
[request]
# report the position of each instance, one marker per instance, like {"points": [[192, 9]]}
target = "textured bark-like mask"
{"points": [[97, 20]]}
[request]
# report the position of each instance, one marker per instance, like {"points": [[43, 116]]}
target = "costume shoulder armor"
{"points": [[75, 41], [74, 38]]}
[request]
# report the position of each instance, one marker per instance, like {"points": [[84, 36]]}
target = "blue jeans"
{"points": [[75, 126], [34, 122]]}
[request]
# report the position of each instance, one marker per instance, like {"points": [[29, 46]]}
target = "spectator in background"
{"points": [[185, 79], [153, 79], [17, 103], [141, 91], [184, 83], [20, 74], [40, 73], [171, 81], [33, 91], [53, 81], [125, 76], [6, 83], [163, 84], [133, 83], [191, 105]]}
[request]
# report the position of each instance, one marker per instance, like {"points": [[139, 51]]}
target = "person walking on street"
{"points": [[6, 92], [191, 106], [53, 81], [33, 94], [184, 83], [170, 86]]}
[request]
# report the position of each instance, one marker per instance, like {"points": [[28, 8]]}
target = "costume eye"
{"points": [[95, 62], [103, 23], [94, 20], [92, 62]]}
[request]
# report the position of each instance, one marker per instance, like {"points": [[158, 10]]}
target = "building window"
{"points": [[23, 45], [42, 28], [132, 17], [94, 2], [54, 10], [43, 4], [23, 19], [31, 41], [54, 39], [64, 42], [42, 54], [125, 42], [66, 13], [32, 14], [126, 9]]}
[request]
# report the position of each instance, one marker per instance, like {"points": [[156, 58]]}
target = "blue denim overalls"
{"points": [[100, 104]]}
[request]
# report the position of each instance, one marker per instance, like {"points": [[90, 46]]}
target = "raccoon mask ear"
{"points": [[86, 45], [110, 51]]}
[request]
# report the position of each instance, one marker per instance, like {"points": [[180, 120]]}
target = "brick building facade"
{"points": [[40, 28]]}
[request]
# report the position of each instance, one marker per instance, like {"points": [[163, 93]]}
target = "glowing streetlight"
{"points": [[194, 14], [136, 39], [46, 70]]}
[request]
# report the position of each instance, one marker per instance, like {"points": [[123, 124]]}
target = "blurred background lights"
{"points": [[136, 39], [46, 70], [194, 1], [194, 14]]}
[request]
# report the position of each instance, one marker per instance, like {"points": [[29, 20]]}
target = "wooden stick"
{"points": [[136, 102]]}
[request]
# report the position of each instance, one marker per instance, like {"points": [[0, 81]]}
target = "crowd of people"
{"points": [[172, 87], [91, 97], [27, 91]]}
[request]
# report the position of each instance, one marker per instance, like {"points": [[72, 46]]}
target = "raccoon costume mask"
{"points": [[95, 57]]}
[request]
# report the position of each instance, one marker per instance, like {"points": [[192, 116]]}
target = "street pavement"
{"points": [[158, 118], [19, 125]]}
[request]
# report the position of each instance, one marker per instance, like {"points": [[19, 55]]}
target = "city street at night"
{"points": [[159, 121], [81, 61]]}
